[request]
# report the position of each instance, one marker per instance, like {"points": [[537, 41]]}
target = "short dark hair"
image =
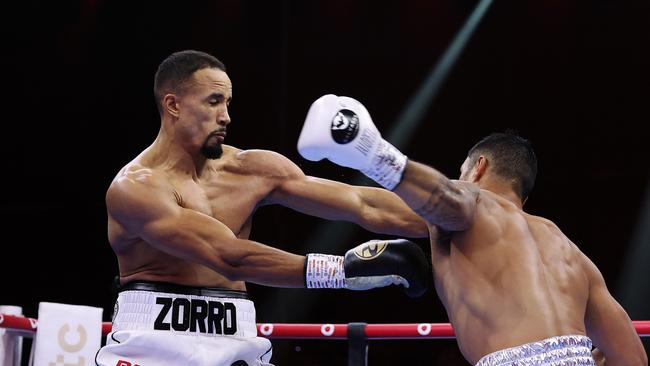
{"points": [[512, 158], [174, 72]]}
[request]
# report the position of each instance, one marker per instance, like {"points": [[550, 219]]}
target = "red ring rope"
{"points": [[319, 331]]}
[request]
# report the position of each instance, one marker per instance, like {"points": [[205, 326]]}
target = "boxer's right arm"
{"points": [[341, 130], [608, 325], [448, 204]]}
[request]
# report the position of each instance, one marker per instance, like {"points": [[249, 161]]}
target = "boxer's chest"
{"points": [[227, 197]]}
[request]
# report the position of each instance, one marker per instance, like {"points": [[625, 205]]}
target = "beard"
{"points": [[211, 151]]}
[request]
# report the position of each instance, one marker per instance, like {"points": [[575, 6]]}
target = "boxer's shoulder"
{"points": [[136, 174], [265, 163]]}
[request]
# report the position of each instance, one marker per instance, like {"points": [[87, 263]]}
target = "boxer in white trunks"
{"points": [[179, 217], [517, 291]]}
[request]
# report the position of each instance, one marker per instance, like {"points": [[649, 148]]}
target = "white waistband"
{"points": [[185, 314], [573, 350]]}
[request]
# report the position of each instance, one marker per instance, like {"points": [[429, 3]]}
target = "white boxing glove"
{"points": [[340, 129]]}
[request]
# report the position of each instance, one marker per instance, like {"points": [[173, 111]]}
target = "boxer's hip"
{"points": [[169, 325], [196, 311], [567, 350]]}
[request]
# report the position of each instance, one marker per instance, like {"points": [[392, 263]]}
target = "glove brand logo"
{"points": [[345, 126], [370, 250]]}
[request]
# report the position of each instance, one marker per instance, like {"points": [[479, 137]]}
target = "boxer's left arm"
{"points": [[374, 209], [608, 324]]}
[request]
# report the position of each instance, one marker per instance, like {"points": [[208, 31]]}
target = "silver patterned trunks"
{"points": [[569, 350]]}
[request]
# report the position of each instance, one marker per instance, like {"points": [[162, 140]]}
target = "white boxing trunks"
{"points": [[568, 350], [156, 324]]}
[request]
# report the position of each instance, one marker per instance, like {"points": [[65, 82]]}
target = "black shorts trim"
{"points": [[173, 288]]}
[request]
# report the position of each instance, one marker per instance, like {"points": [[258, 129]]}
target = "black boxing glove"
{"points": [[376, 263]]}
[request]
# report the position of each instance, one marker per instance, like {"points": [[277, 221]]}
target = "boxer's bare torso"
{"points": [[507, 278], [231, 189], [512, 278]]}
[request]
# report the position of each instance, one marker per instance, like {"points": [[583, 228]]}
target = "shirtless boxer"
{"points": [[517, 291], [179, 217]]}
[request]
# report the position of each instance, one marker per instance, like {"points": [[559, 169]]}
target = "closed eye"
{"points": [[217, 98]]}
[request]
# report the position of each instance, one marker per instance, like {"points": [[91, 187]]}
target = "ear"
{"points": [[170, 105], [480, 168]]}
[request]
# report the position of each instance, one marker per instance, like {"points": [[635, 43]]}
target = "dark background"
{"points": [[572, 76]]}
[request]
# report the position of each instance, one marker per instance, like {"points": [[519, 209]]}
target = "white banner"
{"points": [[67, 335]]}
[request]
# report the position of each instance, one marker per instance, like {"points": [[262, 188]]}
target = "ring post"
{"points": [[11, 343], [357, 345]]}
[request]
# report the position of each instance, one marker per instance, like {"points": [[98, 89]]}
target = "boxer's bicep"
{"points": [[147, 207], [199, 238], [192, 236]]}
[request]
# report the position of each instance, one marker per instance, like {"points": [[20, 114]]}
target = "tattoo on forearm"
{"points": [[446, 206], [431, 205]]}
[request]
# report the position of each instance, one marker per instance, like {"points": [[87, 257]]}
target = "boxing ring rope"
{"points": [[317, 331], [357, 334]]}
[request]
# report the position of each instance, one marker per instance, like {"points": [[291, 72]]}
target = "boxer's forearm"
{"points": [[436, 198], [258, 263], [384, 212]]}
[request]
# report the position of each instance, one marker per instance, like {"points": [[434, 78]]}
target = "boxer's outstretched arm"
{"points": [[374, 209], [341, 130], [447, 204], [145, 204], [608, 325]]}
